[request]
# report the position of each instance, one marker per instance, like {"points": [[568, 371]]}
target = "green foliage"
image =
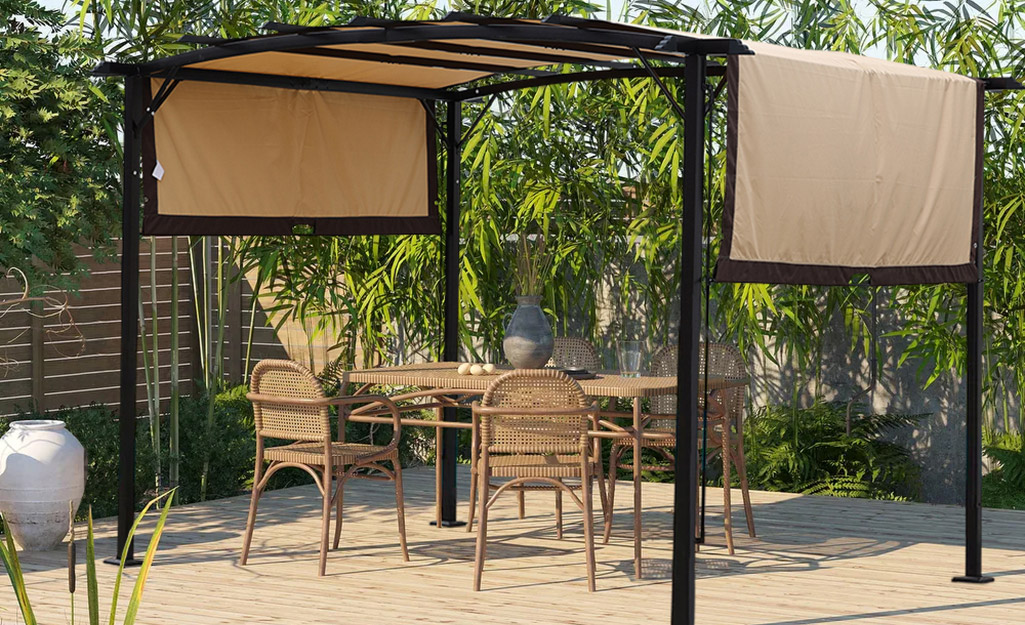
{"points": [[230, 445], [58, 165], [9, 557], [1008, 451], [595, 168], [809, 451], [1004, 486], [999, 493], [232, 449]]}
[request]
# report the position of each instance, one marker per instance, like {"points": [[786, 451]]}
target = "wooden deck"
{"points": [[817, 560]]}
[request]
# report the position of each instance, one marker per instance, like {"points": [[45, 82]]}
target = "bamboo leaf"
{"points": [[9, 555], [147, 563], [124, 554], [93, 595]]}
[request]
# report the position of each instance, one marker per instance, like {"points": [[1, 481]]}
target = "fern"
{"points": [[1008, 451], [809, 451]]}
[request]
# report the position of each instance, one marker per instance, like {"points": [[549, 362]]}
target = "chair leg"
{"points": [[727, 508], [741, 463], [585, 491], [473, 500], [250, 522], [339, 498], [558, 513], [521, 500], [613, 469], [325, 521], [474, 453], [483, 480], [600, 474], [400, 508]]}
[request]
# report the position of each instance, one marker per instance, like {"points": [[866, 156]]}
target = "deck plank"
{"points": [[816, 560]]}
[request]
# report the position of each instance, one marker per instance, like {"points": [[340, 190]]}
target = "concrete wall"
{"points": [[937, 443]]}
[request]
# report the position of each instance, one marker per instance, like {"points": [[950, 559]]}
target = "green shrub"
{"points": [[231, 445], [809, 451], [1004, 486]]}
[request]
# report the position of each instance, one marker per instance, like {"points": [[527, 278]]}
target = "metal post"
{"points": [[453, 175], [973, 421], [685, 489], [129, 320]]}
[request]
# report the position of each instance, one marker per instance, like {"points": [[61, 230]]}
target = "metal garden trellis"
{"points": [[214, 178]]}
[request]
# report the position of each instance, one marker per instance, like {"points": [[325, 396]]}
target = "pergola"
{"points": [[837, 166]]}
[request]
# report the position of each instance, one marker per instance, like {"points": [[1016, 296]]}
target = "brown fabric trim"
{"points": [[270, 226], [980, 173], [728, 270], [732, 106], [155, 224]]}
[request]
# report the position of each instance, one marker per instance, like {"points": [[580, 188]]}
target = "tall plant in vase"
{"points": [[528, 338]]}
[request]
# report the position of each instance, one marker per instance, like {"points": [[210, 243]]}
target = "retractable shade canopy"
{"points": [[838, 164], [333, 128], [239, 159]]}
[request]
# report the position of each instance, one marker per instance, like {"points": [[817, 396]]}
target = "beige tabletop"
{"points": [[445, 375]]}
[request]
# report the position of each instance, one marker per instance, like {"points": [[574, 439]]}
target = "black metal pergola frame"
{"points": [[585, 36]]}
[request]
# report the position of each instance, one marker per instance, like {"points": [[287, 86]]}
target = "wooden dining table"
{"points": [[443, 386]]}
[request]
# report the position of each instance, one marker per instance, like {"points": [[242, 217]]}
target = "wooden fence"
{"points": [[47, 371]]}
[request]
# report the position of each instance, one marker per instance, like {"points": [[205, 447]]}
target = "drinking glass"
{"points": [[629, 359]]}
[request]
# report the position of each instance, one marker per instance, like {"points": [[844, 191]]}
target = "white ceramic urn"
{"points": [[42, 469]]}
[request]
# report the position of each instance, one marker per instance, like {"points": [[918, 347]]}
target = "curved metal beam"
{"points": [[545, 35]]}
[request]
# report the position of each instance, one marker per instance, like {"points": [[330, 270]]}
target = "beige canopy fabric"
{"points": [[330, 127], [837, 164], [340, 162], [840, 165]]}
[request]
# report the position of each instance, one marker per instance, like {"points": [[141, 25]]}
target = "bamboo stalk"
{"points": [[173, 458], [154, 415], [143, 345], [198, 303], [217, 365], [252, 328]]}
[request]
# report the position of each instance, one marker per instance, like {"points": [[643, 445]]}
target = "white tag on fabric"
{"points": [[158, 171]]}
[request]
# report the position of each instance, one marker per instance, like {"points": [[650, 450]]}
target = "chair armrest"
{"points": [[381, 400], [337, 401]]}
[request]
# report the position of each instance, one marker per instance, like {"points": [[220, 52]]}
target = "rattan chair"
{"points": [[725, 428], [568, 351], [289, 404], [531, 426]]}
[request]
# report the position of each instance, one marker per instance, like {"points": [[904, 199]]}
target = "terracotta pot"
{"points": [[42, 478], [528, 339]]}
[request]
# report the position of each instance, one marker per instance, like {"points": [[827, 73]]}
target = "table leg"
{"points": [[438, 455], [637, 486], [446, 447]]}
